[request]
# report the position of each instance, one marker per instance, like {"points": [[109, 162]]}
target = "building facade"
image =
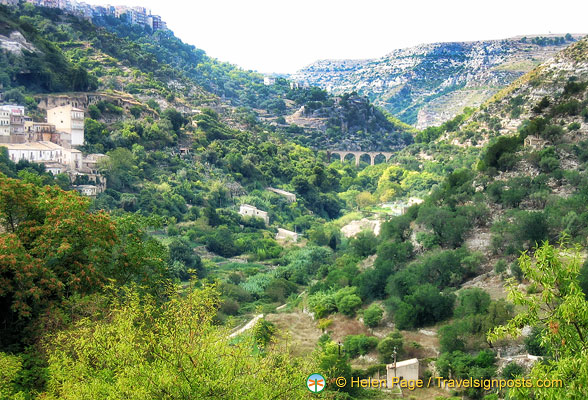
{"points": [[4, 122], [403, 370], [35, 152], [250, 211], [70, 120]]}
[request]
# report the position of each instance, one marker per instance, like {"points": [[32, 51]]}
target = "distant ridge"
{"points": [[428, 84]]}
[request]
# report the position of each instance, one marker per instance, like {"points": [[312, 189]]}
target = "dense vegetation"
{"points": [[132, 294]]}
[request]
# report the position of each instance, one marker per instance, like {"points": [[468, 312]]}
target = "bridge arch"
{"points": [[358, 155]]}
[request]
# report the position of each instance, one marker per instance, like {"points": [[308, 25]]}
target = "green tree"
{"points": [[392, 343], [561, 315], [263, 332], [472, 301], [175, 350], [372, 316], [347, 300], [359, 345]]}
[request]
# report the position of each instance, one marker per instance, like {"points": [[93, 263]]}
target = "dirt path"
{"points": [[247, 326], [254, 320]]}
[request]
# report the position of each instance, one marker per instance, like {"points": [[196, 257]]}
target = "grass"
{"points": [[347, 218], [298, 329]]}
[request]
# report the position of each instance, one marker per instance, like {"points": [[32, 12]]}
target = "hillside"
{"points": [[110, 57], [429, 84], [191, 276], [548, 92]]}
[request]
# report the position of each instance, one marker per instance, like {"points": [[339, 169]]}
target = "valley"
{"points": [[225, 234]]}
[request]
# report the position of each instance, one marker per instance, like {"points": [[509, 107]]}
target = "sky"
{"points": [[282, 36]]}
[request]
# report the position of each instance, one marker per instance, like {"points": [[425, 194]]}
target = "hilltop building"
{"points": [[534, 142], [50, 143], [132, 15], [4, 123], [12, 123]]}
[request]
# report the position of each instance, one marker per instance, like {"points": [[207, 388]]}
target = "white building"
{"points": [[14, 109], [35, 152], [4, 123], [251, 211], [45, 152], [404, 370], [70, 120], [88, 190], [54, 167], [268, 81], [72, 158]]}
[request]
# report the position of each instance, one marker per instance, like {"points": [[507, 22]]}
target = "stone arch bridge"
{"points": [[357, 155]]}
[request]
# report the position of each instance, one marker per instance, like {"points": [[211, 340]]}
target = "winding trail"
{"points": [[247, 326], [254, 320]]}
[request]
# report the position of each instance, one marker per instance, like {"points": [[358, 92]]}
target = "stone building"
{"points": [[534, 142], [40, 131], [251, 211], [404, 370], [291, 197], [285, 234]]}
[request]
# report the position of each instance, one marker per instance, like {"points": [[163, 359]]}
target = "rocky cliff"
{"points": [[431, 83]]}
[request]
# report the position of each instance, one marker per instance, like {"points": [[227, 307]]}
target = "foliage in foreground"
{"points": [[561, 312], [142, 351]]}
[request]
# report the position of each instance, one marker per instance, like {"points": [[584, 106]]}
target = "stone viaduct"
{"points": [[357, 155]]}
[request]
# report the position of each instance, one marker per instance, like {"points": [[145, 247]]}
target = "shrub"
{"points": [[552, 132], [500, 266], [472, 301], [512, 370], [372, 316], [359, 345], [322, 304], [263, 331], [390, 344]]}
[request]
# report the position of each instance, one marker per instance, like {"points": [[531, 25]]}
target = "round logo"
{"points": [[316, 383]]}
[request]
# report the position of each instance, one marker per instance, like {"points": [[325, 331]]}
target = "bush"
{"points": [[502, 146], [552, 132], [425, 306], [359, 345], [372, 316], [322, 304], [472, 301], [500, 266], [516, 271], [390, 344], [263, 331], [364, 244], [512, 370]]}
